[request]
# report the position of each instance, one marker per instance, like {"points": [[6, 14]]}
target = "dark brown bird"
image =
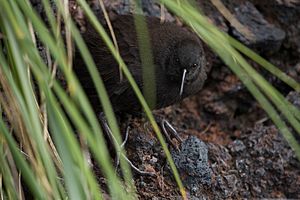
{"points": [[178, 56]]}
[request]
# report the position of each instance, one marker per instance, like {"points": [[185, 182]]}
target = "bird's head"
{"points": [[185, 63]]}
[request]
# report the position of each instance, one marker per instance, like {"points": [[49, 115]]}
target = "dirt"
{"points": [[231, 149]]}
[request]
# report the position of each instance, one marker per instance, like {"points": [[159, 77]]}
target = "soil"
{"points": [[231, 149]]}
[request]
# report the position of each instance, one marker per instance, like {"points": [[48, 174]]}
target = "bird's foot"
{"points": [[169, 131], [119, 152]]}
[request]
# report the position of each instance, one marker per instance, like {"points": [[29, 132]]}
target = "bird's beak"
{"points": [[182, 82]]}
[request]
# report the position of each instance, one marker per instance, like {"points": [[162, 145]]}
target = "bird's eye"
{"points": [[194, 65], [177, 60]]}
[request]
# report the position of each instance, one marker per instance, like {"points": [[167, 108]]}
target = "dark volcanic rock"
{"points": [[294, 98], [122, 7], [260, 165], [273, 165], [287, 15], [259, 33], [213, 15], [192, 162]]}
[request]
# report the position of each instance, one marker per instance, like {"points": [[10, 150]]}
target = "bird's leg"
{"points": [[117, 160], [113, 140], [106, 127], [168, 130]]}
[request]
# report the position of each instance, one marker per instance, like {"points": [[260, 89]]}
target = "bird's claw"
{"points": [[113, 140], [168, 130]]}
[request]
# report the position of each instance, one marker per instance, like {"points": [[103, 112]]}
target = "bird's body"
{"points": [[174, 50]]}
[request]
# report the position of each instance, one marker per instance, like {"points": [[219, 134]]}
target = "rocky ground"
{"points": [[231, 148]]}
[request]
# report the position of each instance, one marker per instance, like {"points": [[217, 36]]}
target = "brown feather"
{"points": [[165, 39]]}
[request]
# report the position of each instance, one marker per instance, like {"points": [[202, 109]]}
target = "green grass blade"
{"points": [[29, 105], [221, 45], [29, 177], [266, 64], [140, 97], [73, 83], [6, 175]]}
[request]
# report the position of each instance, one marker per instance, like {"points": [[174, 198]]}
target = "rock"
{"points": [[192, 163], [214, 16], [122, 7], [237, 146], [258, 33], [286, 14], [258, 165], [294, 98]]}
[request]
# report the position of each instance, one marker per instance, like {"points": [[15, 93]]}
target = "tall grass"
{"points": [[40, 118]]}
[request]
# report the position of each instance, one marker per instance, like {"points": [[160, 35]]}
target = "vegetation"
{"points": [[35, 104]]}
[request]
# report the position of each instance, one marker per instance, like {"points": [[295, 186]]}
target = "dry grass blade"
{"points": [[42, 107], [232, 19], [112, 33], [68, 35]]}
